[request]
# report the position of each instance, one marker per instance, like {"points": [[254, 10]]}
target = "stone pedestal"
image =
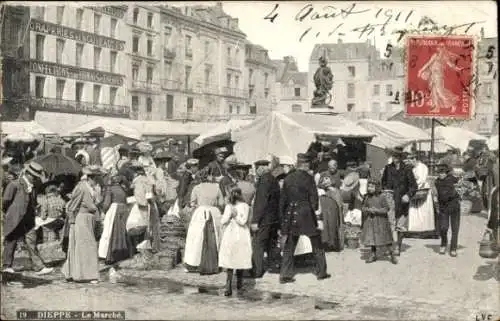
{"points": [[322, 110]]}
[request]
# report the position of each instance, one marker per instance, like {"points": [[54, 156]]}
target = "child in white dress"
{"points": [[235, 251]]}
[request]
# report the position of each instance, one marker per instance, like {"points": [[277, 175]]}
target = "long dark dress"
{"points": [[375, 227], [330, 236]]}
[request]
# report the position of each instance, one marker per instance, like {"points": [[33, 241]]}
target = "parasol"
{"points": [[57, 164], [22, 136]]}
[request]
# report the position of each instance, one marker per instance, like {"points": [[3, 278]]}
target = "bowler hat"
{"points": [[398, 151], [444, 168]]}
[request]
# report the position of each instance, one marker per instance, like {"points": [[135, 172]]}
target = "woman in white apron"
{"points": [[203, 235], [421, 212]]}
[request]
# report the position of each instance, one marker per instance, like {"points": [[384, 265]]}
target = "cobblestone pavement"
{"points": [[424, 285]]}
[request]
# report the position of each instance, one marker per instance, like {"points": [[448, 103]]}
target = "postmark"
{"points": [[440, 76]]}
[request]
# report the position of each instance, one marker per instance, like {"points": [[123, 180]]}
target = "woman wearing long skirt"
{"points": [[203, 235], [114, 245], [236, 245], [421, 212], [82, 261], [331, 206]]}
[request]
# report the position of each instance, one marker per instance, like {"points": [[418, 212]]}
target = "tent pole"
{"points": [[189, 145], [431, 155]]}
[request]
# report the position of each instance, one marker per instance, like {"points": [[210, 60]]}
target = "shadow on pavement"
{"points": [[488, 271], [435, 247], [19, 280]]}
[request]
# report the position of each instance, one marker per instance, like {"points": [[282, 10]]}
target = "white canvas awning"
{"points": [[455, 136], [390, 134], [221, 132], [18, 127]]}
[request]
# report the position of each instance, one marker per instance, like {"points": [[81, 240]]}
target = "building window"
{"points": [[237, 57], [59, 50], [150, 47], [168, 35], [250, 76], [230, 109], [207, 77], [236, 82], [97, 94], [149, 105], [40, 13], [60, 14], [40, 41], [97, 57], [112, 31], [350, 107], [352, 71], [187, 76], [190, 105], [253, 110], [207, 48], [136, 15], [97, 23], [39, 86], [388, 107], [135, 44], [112, 95], [150, 20], [488, 89], [135, 103], [60, 83], [388, 90], [168, 69], [149, 74], [189, 51], [79, 18], [376, 90], [266, 80], [351, 91], [79, 91], [376, 107], [297, 92], [228, 80], [228, 55], [238, 109], [296, 108], [250, 92], [112, 60], [78, 54], [135, 72]]}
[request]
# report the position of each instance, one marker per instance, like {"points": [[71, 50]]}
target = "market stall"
{"points": [[493, 142], [289, 134], [457, 137]]}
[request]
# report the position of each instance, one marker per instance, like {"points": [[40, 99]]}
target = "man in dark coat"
{"points": [[398, 178], [300, 215], [216, 168], [265, 218], [19, 205], [185, 181]]}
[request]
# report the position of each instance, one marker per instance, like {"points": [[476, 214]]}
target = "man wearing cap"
{"points": [[265, 218], [216, 167], [19, 206], [300, 215], [398, 180]]}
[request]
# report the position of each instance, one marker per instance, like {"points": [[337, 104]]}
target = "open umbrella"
{"points": [[57, 164]]}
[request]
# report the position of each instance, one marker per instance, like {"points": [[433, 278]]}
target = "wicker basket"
{"points": [[352, 243], [465, 207], [421, 194]]}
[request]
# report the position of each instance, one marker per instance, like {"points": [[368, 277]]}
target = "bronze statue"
{"points": [[323, 80]]}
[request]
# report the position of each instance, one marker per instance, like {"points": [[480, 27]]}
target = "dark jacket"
{"points": [[114, 194], [216, 169], [298, 203], [402, 182], [19, 207], [183, 189], [446, 190], [266, 203]]}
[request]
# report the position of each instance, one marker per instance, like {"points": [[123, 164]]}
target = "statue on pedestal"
{"points": [[323, 80]]}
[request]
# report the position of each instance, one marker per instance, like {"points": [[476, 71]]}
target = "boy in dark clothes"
{"points": [[449, 208]]}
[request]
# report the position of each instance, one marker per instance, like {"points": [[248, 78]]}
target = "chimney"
{"points": [[339, 40], [482, 33], [219, 5]]}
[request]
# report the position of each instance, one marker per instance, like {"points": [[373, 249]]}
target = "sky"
{"points": [[281, 37]]}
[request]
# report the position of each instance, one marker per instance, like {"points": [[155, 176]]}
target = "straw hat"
{"points": [[35, 169]]}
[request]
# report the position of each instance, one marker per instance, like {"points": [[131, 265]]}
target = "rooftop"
{"points": [[344, 51]]}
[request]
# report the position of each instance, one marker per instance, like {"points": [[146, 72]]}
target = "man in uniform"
{"points": [[300, 215], [265, 218]]}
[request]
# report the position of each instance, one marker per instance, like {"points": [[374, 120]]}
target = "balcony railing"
{"points": [[210, 89], [233, 63], [171, 84], [80, 107], [215, 117], [145, 85], [168, 54], [234, 92]]}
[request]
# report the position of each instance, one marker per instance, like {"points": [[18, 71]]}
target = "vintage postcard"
{"points": [[249, 160]]}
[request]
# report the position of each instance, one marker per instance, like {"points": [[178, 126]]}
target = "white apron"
{"points": [[421, 213], [194, 237], [107, 230]]}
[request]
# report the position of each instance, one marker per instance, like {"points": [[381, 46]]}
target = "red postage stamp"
{"points": [[440, 76]]}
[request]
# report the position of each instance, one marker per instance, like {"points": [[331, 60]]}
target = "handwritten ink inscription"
{"points": [[439, 78]]}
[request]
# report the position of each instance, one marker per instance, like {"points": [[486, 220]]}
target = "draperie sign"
{"points": [[77, 35], [440, 76], [56, 70]]}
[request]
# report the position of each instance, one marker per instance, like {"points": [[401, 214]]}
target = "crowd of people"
{"points": [[234, 214]]}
